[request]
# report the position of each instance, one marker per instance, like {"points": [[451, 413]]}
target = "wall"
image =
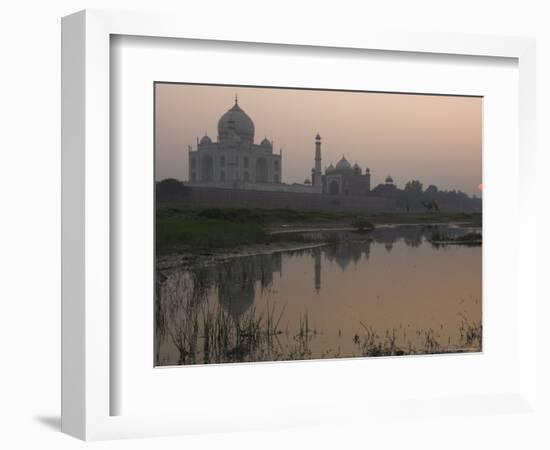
{"points": [[239, 198], [278, 187], [30, 236]]}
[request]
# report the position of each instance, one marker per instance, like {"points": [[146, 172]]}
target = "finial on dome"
{"points": [[236, 99]]}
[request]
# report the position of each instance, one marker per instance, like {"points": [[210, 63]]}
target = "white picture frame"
{"points": [[87, 386]]}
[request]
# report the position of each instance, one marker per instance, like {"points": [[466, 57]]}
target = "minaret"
{"points": [[317, 180]]}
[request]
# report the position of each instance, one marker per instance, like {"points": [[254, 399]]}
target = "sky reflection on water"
{"points": [[393, 280]]}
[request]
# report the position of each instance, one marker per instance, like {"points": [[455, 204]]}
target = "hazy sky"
{"points": [[436, 139]]}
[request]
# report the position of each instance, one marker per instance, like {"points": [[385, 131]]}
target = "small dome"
{"points": [[389, 180], [205, 140], [318, 137], [265, 143], [343, 164], [356, 167], [329, 168], [367, 170]]}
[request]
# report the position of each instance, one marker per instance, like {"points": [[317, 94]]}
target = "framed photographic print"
{"points": [[311, 253], [270, 230]]}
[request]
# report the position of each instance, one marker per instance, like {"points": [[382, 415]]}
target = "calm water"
{"points": [[393, 288]]}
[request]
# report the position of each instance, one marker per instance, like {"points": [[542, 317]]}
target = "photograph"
{"points": [[308, 224]]}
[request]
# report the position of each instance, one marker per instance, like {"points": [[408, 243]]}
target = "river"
{"points": [[387, 292]]}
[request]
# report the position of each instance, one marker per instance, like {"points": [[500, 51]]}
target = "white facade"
{"points": [[235, 161]]}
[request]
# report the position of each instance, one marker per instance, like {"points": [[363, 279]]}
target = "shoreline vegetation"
{"points": [[198, 236], [467, 239], [207, 334]]}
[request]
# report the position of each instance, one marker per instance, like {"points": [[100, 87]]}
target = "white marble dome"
{"points": [[238, 122]]}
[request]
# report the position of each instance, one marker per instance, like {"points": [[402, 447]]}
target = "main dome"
{"points": [[236, 121], [343, 164]]}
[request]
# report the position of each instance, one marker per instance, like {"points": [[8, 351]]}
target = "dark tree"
{"points": [[414, 186], [431, 189], [170, 188]]}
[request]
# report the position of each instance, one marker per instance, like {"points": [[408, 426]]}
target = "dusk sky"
{"points": [[435, 139]]}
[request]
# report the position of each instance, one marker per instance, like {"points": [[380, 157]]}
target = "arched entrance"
{"points": [[334, 188], [207, 168], [261, 170]]}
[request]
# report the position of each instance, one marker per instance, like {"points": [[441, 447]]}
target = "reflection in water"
{"points": [[340, 299], [236, 283], [317, 256]]}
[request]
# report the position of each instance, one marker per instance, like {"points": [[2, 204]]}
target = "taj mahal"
{"points": [[235, 161]]}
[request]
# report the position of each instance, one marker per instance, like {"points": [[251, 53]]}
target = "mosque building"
{"points": [[345, 179], [236, 162]]}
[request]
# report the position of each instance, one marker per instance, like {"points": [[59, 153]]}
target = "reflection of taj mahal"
{"points": [[236, 162]]}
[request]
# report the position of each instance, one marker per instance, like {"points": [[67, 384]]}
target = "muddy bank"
{"points": [[188, 259]]}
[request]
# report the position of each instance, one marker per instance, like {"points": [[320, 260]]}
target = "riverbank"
{"points": [[201, 236], [192, 260]]}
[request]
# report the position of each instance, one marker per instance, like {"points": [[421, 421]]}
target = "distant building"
{"points": [[345, 179], [236, 162]]}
